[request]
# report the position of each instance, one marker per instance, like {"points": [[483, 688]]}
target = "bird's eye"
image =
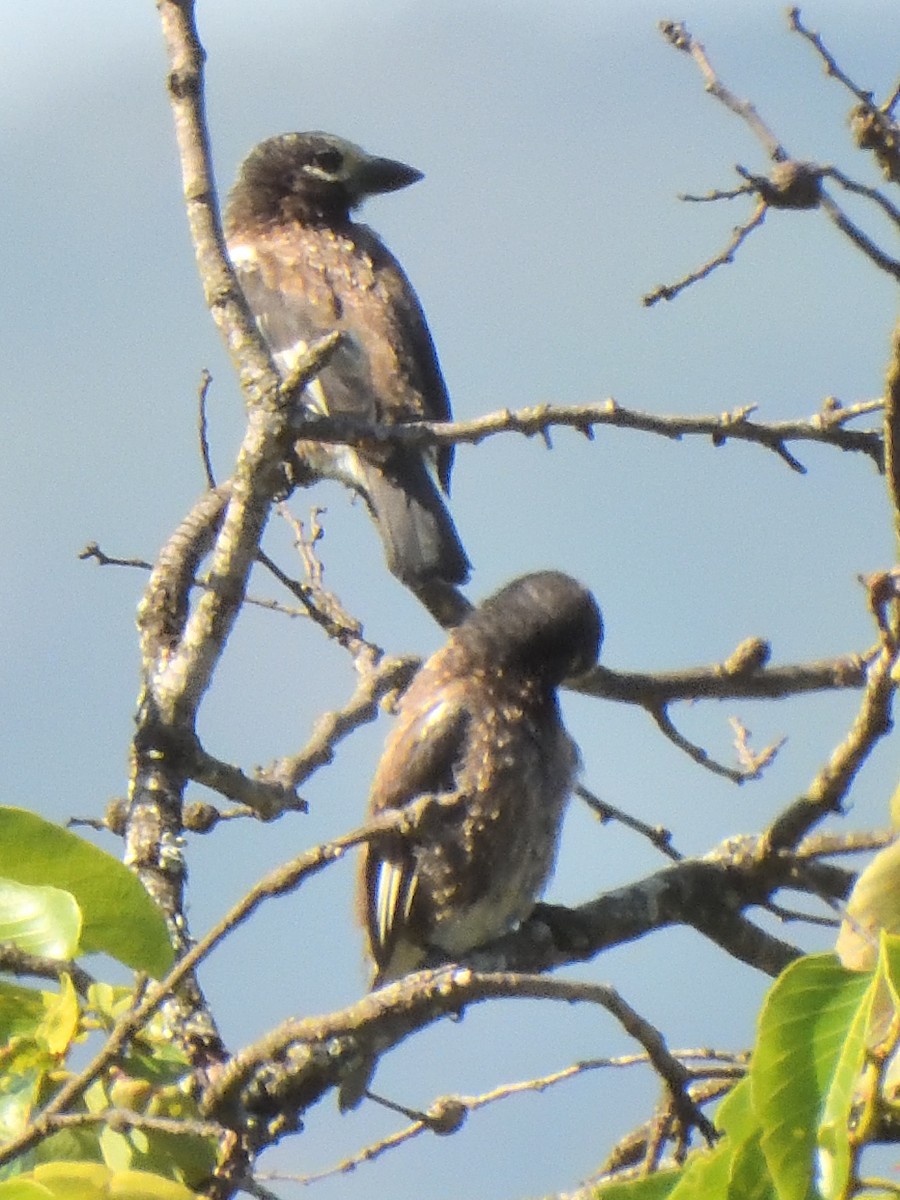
{"points": [[329, 160]]}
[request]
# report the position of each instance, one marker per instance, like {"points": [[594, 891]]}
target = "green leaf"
{"points": [[116, 1149], [873, 905], [61, 1013], [655, 1187], [39, 920], [706, 1174], [735, 1115], [143, 1185], [21, 1011], [72, 1180], [119, 917], [23, 1189], [750, 1178], [844, 1095], [17, 1100], [78, 1146], [94, 1181], [803, 1025]]}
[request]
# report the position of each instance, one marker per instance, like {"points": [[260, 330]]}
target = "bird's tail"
{"points": [[421, 544]]}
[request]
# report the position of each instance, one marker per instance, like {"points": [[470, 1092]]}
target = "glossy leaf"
{"points": [[706, 1174], [749, 1178], [119, 917], [843, 1096], [39, 920], [803, 1025]]}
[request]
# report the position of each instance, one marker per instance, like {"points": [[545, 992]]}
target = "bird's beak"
{"points": [[386, 175]]}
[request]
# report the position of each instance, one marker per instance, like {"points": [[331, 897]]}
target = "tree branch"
{"points": [[827, 427]]}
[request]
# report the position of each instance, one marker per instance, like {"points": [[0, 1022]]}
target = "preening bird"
{"points": [[480, 718], [306, 268]]}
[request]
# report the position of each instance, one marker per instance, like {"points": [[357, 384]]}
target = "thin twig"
{"points": [[742, 774], [828, 789], [862, 241], [677, 35], [668, 291], [828, 60], [890, 210], [124, 1119], [734, 1069], [655, 834], [391, 675], [93, 551], [203, 429]]}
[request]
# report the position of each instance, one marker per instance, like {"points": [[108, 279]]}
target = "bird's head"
{"points": [[311, 175], [545, 624]]}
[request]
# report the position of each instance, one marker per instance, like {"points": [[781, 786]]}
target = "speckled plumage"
{"points": [[481, 717], [306, 269]]}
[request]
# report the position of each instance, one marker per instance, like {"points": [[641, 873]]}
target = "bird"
{"points": [[307, 268], [480, 720]]}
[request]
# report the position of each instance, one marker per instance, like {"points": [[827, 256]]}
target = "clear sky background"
{"points": [[554, 139]]}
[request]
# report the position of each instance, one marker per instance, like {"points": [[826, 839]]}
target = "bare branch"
{"points": [[123, 1119], [700, 756], [299, 1070], [791, 184], [391, 675], [890, 210], [828, 60], [829, 788], [723, 1077], [862, 241], [668, 291], [92, 550], [19, 962], [202, 428], [677, 35], [825, 427], [266, 798], [259, 379], [655, 834], [718, 682]]}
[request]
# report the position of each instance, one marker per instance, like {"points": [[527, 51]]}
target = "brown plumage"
{"points": [[480, 718], [306, 269]]}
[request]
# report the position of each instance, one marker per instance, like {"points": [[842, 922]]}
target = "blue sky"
{"points": [[554, 140]]}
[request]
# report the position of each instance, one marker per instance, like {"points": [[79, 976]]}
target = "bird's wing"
{"points": [[413, 344], [293, 306], [419, 760], [301, 287]]}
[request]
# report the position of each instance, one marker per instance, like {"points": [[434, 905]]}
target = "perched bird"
{"points": [[306, 269], [481, 718]]}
